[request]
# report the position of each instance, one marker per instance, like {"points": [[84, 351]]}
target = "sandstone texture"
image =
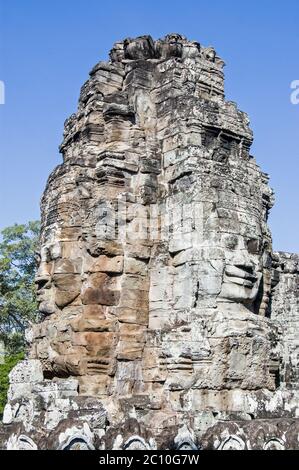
{"points": [[168, 320]]}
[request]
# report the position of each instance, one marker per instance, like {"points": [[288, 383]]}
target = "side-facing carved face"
{"points": [[58, 279]]}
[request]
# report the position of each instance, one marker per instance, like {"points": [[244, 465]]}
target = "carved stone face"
{"points": [[172, 47], [215, 263], [44, 284], [213, 286], [140, 48], [210, 54], [243, 269], [58, 279]]}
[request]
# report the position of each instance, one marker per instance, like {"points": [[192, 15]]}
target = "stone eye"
{"points": [[253, 246], [231, 242], [37, 258]]}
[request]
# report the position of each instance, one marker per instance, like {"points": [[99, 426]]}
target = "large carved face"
{"points": [[245, 249], [58, 279], [223, 260], [244, 260]]}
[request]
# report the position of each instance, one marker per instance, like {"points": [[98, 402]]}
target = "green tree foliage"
{"points": [[18, 307], [5, 368]]}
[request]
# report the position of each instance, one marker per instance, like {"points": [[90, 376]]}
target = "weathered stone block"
{"points": [[108, 264], [28, 371]]}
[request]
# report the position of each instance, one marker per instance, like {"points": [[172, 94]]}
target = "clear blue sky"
{"points": [[48, 47]]}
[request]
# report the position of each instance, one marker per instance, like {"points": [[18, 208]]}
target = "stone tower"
{"points": [[167, 320]]}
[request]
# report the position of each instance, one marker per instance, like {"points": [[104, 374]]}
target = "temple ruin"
{"points": [[168, 322]]}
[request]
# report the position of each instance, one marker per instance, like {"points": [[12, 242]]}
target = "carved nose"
{"points": [[42, 282], [243, 261]]}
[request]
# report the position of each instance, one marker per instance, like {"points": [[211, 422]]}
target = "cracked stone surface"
{"points": [[168, 320]]}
